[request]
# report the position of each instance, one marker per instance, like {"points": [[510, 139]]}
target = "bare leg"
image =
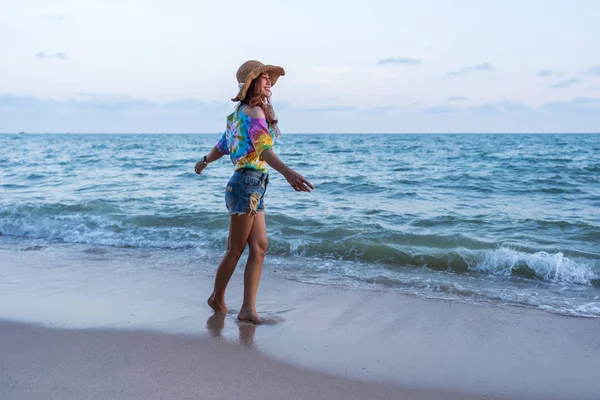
{"points": [[239, 230], [257, 242]]}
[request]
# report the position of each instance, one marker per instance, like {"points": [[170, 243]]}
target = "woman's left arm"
{"points": [[212, 156]]}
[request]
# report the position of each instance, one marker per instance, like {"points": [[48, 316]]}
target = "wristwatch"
{"points": [[205, 160]]}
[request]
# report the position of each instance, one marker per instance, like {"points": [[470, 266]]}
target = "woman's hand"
{"points": [[200, 165], [298, 182], [295, 180]]}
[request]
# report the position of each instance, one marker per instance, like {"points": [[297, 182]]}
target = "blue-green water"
{"points": [[484, 218]]}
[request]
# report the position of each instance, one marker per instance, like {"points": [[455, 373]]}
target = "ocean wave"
{"points": [[112, 223], [35, 177], [591, 309], [107, 223], [553, 267], [12, 186], [469, 289], [501, 262]]}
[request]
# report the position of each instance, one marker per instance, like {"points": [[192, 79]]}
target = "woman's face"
{"points": [[264, 85]]}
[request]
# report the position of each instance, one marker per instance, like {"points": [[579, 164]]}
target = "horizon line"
{"points": [[305, 133]]}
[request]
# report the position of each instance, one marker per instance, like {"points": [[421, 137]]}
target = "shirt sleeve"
{"points": [[260, 136], [222, 144]]}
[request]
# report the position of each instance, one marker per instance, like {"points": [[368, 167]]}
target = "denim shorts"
{"points": [[245, 191]]}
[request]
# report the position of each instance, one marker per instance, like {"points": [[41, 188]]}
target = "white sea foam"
{"points": [[554, 267]]}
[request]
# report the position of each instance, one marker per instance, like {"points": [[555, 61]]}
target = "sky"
{"points": [[396, 66]]}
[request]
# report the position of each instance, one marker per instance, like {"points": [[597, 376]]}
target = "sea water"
{"points": [[508, 219]]}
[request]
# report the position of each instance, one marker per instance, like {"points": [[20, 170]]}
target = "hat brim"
{"points": [[274, 72]]}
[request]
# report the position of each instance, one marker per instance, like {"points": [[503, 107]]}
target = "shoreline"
{"points": [[368, 337]]}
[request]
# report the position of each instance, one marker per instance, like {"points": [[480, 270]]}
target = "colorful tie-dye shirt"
{"points": [[245, 139]]}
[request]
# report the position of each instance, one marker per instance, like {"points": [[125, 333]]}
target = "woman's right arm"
{"points": [[297, 181], [213, 155]]}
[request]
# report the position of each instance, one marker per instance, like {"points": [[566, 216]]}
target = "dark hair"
{"points": [[255, 98]]}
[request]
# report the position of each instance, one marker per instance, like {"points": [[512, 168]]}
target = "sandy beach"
{"points": [[98, 326], [39, 363]]}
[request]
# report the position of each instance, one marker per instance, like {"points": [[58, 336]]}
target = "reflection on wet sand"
{"points": [[246, 335], [216, 322]]}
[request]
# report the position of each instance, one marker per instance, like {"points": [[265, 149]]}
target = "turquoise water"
{"points": [[509, 219]]}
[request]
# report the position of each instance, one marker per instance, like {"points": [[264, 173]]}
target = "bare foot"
{"points": [[216, 305], [248, 314]]}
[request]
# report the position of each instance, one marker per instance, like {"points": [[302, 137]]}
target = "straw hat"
{"points": [[251, 70]]}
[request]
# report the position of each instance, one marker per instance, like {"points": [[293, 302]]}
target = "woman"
{"points": [[248, 140]]}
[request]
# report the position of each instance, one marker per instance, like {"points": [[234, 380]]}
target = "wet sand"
{"points": [[41, 363], [121, 328]]}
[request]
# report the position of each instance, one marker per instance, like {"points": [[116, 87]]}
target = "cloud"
{"points": [[477, 67], [543, 73], [383, 109], [566, 83], [593, 71], [578, 105], [97, 113], [106, 113], [501, 107], [442, 110], [456, 98], [58, 56], [416, 104], [332, 109], [399, 60], [10, 101], [102, 103]]}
